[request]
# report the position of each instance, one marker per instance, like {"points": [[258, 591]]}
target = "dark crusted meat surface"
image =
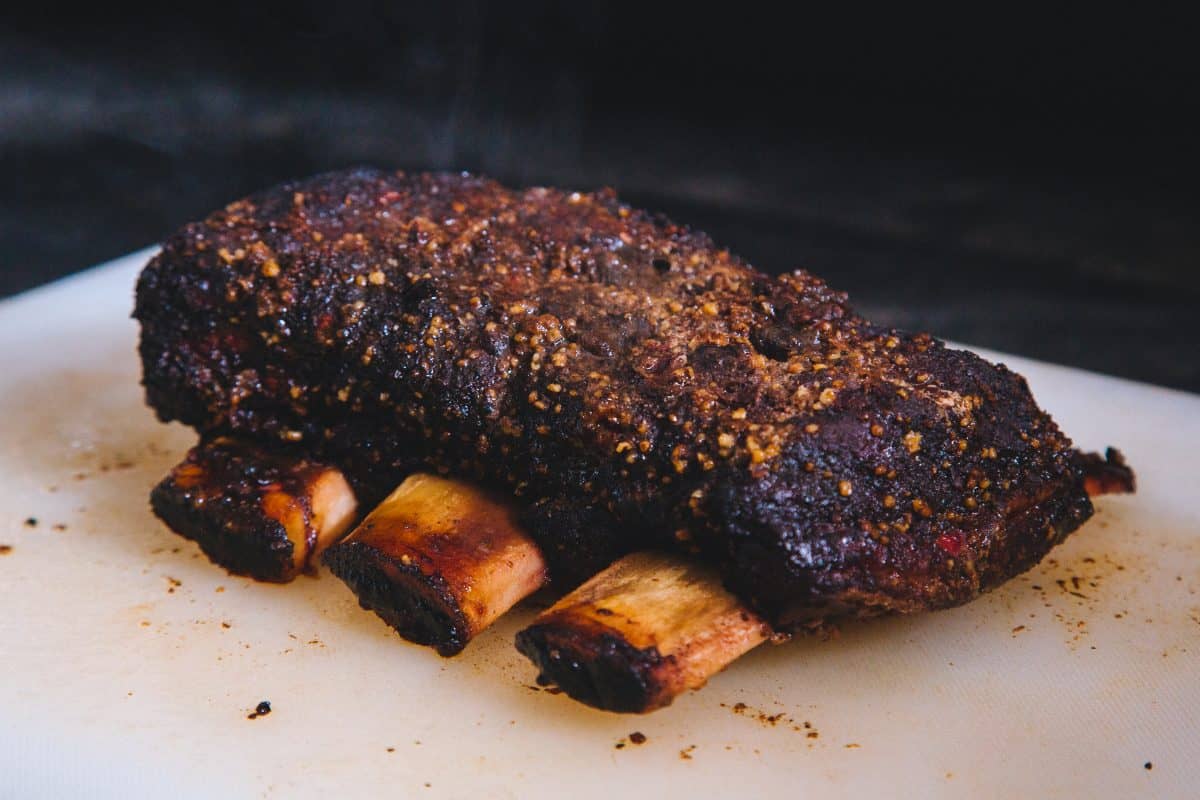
{"points": [[633, 384]]}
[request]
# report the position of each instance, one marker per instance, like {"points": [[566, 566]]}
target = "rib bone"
{"points": [[641, 632], [253, 512], [439, 561]]}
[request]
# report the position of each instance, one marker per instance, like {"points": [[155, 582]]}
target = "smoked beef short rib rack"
{"points": [[538, 388]]}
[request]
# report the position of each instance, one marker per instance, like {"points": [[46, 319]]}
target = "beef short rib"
{"points": [[631, 384]]}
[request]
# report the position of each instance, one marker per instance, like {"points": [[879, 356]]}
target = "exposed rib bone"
{"points": [[439, 561], [641, 632], [254, 512]]}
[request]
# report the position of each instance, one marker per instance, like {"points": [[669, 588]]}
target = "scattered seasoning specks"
{"points": [[773, 720], [686, 753]]}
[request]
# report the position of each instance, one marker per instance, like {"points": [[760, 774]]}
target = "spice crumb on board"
{"points": [[686, 753], [637, 737], [5, 549], [261, 710], [31, 522], [1148, 765]]}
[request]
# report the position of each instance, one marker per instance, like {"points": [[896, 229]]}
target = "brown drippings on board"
{"points": [[637, 737], [686, 753], [1074, 591]]}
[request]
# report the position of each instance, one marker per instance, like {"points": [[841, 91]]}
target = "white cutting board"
{"points": [[128, 663]]}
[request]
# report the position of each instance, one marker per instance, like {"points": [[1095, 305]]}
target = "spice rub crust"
{"points": [[631, 383]]}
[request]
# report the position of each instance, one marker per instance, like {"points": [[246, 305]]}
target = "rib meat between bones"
{"points": [[630, 383]]}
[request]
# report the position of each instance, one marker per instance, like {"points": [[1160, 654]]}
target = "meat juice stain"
{"points": [[5, 549]]}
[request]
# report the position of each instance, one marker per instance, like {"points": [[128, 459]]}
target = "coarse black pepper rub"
{"points": [[632, 384]]}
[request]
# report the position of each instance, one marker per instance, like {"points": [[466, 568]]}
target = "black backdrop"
{"points": [[1023, 183]]}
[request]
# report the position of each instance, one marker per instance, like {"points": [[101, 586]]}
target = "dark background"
{"points": [[1026, 184]]}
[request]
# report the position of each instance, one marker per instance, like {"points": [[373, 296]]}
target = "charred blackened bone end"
{"points": [[255, 512], [641, 632]]}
